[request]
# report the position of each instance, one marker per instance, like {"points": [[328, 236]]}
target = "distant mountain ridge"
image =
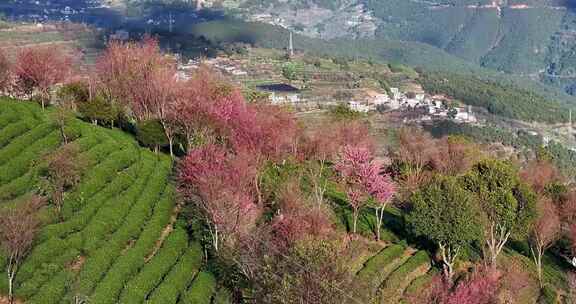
{"points": [[534, 38]]}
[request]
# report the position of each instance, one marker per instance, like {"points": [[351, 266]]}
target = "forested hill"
{"points": [[522, 37]]}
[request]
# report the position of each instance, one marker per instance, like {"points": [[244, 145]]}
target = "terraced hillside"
{"points": [[389, 271], [117, 240], [389, 274]]}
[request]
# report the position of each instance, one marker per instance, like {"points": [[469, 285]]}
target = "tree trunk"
{"points": [[449, 256], [495, 241], [355, 220], [216, 237], [10, 292], [257, 186], [189, 141], [170, 143], [63, 132], [11, 270], [537, 254], [379, 220]]}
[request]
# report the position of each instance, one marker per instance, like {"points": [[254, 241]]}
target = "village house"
{"points": [[359, 107], [282, 93]]}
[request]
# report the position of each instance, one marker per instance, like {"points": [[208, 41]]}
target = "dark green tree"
{"points": [[99, 110], [150, 133], [508, 204], [289, 71], [448, 215], [74, 92]]}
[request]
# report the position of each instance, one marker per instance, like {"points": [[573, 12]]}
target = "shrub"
{"points": [[76, 92], [99, 111], [53, 291], [150, 133], [17, 187], [20, 163], [103, 258]]}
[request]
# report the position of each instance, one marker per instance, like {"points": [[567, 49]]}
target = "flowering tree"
{"points": [[40, 69], [5, 73], [360, 175], [454, 155], [352, 168], [322, 147], [220, 185], [381, 188], [416, 150], [545, 232], [481, 288], [137, 75], [63, 171], [539, 174], [18, 228], [298, 219]]}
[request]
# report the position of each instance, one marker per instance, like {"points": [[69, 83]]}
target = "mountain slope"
{"points": [[522, 37], [109, 246]]}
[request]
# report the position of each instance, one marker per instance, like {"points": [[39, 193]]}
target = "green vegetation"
{"points": [[109, 245], [201, 290], [498, 99]]}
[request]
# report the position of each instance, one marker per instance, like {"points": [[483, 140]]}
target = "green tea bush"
{"points": [[175, 283], [53, 291], [113, 213], [21, 143], [378, 267], [75, 221], [154, 271], [12, 131], [99, 263], [20, 163], [17, 187], [201, 290], [399, 277]]}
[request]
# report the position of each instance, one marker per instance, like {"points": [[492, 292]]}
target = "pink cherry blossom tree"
{"points": [[382, 190], [361, 176], [220, 185]]}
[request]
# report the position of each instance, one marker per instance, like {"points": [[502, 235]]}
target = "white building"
{"points": [[358, 107], [465, 116], [277, 99]]}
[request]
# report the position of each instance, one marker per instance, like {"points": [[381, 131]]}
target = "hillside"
{"points": [[239, 198], [117, 241], [533, 39]]}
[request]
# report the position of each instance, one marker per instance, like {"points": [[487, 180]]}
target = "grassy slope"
{"points": [[104, 249]]}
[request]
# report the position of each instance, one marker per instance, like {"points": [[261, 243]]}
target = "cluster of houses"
{"points": [[221, 64], [435, 106]]}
